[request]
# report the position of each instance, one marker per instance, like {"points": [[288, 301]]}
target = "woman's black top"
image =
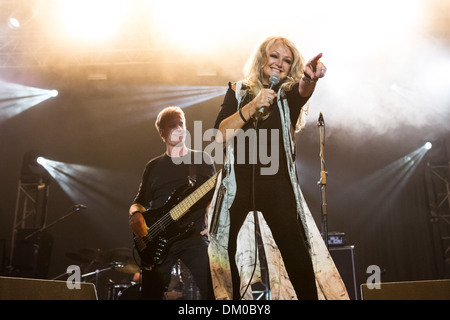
{"points": [[272, 136]]}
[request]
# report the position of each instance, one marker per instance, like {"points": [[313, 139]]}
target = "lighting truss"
{"points": [[32, 195], [437, 178]]}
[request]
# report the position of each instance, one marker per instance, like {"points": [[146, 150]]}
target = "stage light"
{"points": [[16, 98], [158, 97], [81, 182], [13, 23], [428, 145], [391, 180], [41, 160], [32, 169], [90, 20], [21, 13], [200, 26]]}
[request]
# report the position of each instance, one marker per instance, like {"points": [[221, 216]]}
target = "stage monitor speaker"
{"points": [[343, 257], [31, 257], [2, 255], [408, 290], [38, 289]]}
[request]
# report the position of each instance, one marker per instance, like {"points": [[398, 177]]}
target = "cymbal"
{"points": [[87, 255], [124, 255], [95, 255], [128, 268]]}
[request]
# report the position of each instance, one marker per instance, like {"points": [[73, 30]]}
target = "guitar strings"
{"points": [[167, 218], [158, 227]]}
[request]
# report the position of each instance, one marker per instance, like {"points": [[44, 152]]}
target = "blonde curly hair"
{"points": [[253, 72]]}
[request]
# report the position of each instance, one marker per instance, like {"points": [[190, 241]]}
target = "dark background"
{"points": [[378, 109]]}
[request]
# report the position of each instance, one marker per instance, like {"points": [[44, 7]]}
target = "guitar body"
{"points": [[168, 223], [163, 229]]}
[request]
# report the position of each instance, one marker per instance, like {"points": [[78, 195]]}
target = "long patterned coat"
{"points": [[328, 281]]}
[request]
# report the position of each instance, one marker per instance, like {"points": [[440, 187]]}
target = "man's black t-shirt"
{"points": [[163, 175]]}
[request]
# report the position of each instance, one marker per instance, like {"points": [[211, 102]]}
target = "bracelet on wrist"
{"points": [[308, 79], [242, 117]]}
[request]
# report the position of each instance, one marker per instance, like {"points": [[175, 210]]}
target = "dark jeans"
{"points": [[275, 199], [193, 251]]}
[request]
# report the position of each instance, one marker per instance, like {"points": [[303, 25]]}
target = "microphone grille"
{"points": [[274, 79]]}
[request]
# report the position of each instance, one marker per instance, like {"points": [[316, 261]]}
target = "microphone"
{"points": [[320, 122], [80, 206], [273, 80]]}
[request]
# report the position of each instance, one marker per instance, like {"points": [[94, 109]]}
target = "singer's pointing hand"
{"points": [[315, 69]]}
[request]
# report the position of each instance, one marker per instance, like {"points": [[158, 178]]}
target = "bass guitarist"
{"points": [[176, 168]]}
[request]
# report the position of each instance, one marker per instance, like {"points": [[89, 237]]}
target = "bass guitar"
{"points": [[164, 223]]}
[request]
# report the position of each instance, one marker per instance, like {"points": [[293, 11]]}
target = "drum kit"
{"points": [[113, 271], [116, 275]]}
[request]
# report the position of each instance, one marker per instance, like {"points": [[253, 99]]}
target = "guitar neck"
{"points": [[181, 209]]}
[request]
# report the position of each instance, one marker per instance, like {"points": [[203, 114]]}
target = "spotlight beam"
{"points": [[82, 182], [15, 98], [390, 180], [22, 97]]}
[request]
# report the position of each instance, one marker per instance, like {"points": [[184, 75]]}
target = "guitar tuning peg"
{"points": [[192, 181]]}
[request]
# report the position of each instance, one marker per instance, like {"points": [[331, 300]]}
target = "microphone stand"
{"points": [[76, 209], [323, 179], [38, 232]]}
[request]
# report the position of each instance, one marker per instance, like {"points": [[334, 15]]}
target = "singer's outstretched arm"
{"points": [[314, 70]]}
